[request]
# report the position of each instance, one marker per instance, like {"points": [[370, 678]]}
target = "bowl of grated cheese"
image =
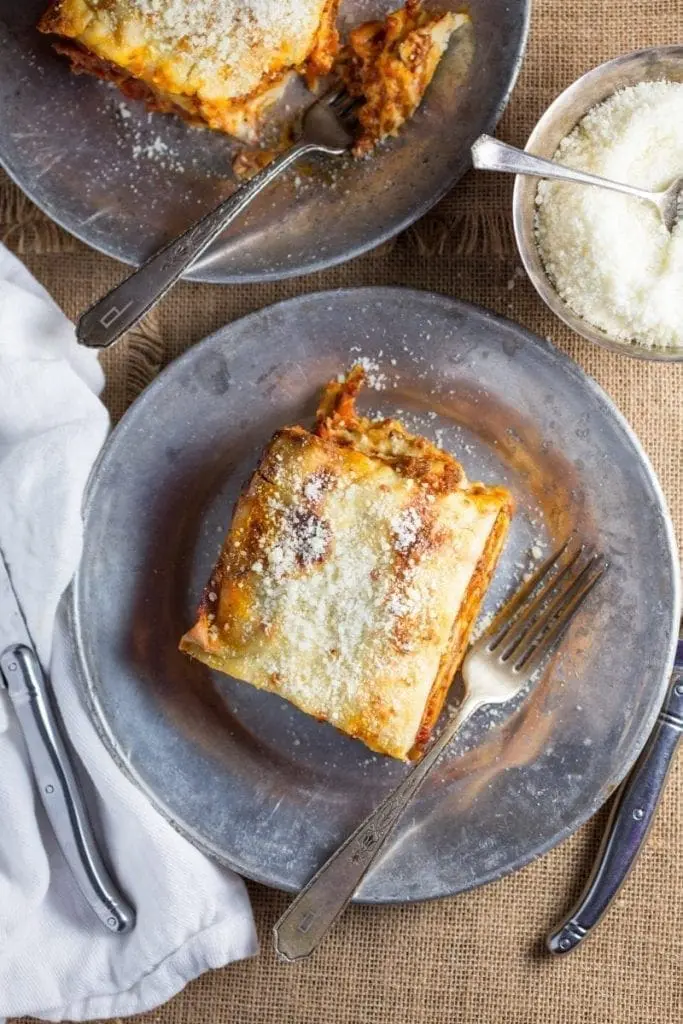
{"points": [[602, 261]]}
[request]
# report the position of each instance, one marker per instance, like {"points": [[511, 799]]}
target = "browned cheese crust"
{"points": [[175, 62]]}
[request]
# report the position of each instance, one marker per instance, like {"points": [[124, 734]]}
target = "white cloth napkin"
{"points": [[56, 960]]}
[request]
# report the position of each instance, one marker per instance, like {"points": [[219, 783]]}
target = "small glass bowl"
{"points": [[655, 64]]}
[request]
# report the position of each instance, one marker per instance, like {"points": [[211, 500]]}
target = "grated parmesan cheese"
{"points": [[406, 527], [350, 604], [315, 486], [233, 34], [609, 255], [374, 378]]}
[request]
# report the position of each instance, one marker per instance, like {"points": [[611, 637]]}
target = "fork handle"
{"points": [[119, 310], [629, 823], [311, 915]]}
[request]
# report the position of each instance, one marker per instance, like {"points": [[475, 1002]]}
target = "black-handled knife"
{"points": [[60, 792], [630, 819]]}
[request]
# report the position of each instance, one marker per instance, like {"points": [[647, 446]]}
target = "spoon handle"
{"points": [[488, 154]]}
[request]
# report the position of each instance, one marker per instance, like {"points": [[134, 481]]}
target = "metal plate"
{"points": [[259, 784], [125, 182]]}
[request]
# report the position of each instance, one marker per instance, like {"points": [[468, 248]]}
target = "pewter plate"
{"points": [[125, 182], [250, 779]]}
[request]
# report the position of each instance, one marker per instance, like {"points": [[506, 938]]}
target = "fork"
{"points": [[328, 127], [488, 154], [496, 668]]}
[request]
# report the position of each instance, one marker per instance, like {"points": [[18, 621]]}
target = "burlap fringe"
{"points": [[145, 351], [466, 233], [25, 228]]}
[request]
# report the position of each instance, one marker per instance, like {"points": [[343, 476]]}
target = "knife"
{"points": [[60, 792], [629, 822]]}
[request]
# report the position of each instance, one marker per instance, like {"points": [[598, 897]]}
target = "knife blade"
{"points": [[629, 822], [60, 791], [14, 628]]}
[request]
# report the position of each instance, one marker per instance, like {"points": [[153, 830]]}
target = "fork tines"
{"points": [[342, 102], [532, 623]]}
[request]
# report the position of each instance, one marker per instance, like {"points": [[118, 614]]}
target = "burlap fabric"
{"points": [[476, 958]]}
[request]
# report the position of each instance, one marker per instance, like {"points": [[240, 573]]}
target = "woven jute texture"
{"points": [[477, 957]]}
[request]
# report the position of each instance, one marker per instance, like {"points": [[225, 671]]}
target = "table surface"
{"points": [[478, 957]]}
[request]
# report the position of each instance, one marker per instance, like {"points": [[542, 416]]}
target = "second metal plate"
{"points": [[260, 785]]}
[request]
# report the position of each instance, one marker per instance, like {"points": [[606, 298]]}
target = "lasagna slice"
{"points": [[350, 579], [389, 64], [220, 63]]}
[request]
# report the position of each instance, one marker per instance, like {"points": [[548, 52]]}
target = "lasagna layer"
{"points": [[221, 63], [352, 573], [389, 65]]}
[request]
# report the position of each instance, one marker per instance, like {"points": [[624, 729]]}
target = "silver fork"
{"points": [[497, 666], [328, 127]]}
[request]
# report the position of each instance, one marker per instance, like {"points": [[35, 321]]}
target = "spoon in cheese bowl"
{"points": [[488, 154]]}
